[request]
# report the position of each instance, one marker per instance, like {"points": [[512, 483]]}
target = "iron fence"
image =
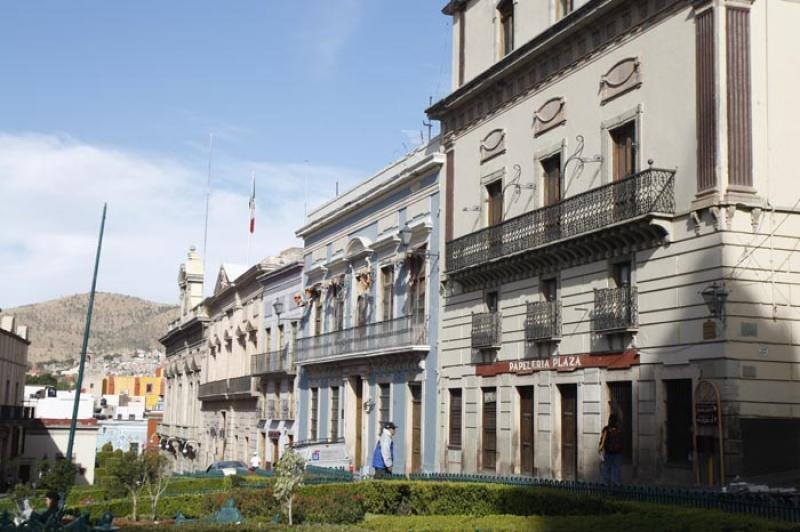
{"points": [[648, 192], [370, 338], [280, 361], [224, 387], [615, 309], [486, 330], [543, 321]]}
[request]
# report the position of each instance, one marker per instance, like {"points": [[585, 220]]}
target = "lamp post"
{"points": [[715, 297]]}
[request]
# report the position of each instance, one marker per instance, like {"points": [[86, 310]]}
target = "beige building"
{"points": [[621, 231], [13, 364], [185, 354]]}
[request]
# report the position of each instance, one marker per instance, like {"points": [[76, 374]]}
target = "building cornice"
{"points": [[549, 56]]}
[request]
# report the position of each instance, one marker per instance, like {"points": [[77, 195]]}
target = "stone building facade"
{"points": [[621, 226], [368, 351], [13, 364]]}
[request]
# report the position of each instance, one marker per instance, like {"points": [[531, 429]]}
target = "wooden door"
{"points": [[569, 431], [620, 404], [416, 427], [526, 429], [263, 450], [359, 392], [495, 196], [275, 452]]}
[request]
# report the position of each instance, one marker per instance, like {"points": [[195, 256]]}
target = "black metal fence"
{"points": [[486, 330], [615, 309], [543, 321], [648, 192]]}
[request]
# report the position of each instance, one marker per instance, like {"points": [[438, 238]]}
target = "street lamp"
{"points": [[405, 236], [715, 297], [277, 306]]}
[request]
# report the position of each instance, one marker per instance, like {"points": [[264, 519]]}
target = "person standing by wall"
{"points": [[383, 458], [611, 447]]}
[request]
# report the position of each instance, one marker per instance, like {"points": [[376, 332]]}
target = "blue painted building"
{"points": [[367, 350]]}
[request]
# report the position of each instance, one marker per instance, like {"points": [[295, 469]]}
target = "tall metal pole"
{"points": [[74, 422]]}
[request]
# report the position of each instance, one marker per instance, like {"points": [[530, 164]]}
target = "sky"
{"points": [[116, 102]]}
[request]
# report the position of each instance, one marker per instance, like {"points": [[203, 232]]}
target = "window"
{"points": [[491, 301], [334, 412], [387, 292], [293, 333], [268, 339], [133, 447], [679, 421], [362, 308], [455, 419], [314, 412], [280, 337], [385, 391], [317, 316], [462, 41], [495, 193], [338, 305], [623, 155], [505, 12], [489, 424], [148, 388], [621, 274], [551, 179], [549, 289], [563, 8], [419, 289]]}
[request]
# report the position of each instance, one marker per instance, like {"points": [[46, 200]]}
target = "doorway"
{"points": [[416, 426], [358, 388], [526, 429], [569, 431], [275, 452], [263, 446]]}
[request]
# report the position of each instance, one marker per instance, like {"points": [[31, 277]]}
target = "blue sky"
{"points": [[115, 100]]}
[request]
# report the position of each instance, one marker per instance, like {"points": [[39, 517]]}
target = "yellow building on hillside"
{"points": [[151, 388]]}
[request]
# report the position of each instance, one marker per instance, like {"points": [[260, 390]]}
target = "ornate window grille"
{"points": [[486, 330], [543, 321], [616, 309]]}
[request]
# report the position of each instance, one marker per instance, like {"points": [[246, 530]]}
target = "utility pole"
{"points": [[79, 383]]}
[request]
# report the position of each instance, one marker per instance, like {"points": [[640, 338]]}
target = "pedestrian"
{"points": [[383, 459], [610, 449], [255, 462]]}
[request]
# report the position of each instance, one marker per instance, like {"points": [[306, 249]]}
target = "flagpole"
{"points": [[208, 195], [251, 227]]}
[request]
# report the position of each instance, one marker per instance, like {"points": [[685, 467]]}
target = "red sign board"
{"points": [[622, 360]]}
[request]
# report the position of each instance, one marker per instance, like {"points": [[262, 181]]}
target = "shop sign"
{"points": [[622, 360], [706, 413]]}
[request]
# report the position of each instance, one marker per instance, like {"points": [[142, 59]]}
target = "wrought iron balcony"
{"points": [[486, 330], [368, 340], [281, 361], [226, 388], [648, 192], [543, 321], [616, 309]]}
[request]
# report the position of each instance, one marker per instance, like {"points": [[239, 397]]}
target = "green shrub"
{"points": [[332, 508], [494, 523]]}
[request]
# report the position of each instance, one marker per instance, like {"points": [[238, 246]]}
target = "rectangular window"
{"points": [[679, 421], [492, 301], [419, 290], [387, 292], [280, 337], [494, 192], [293, 332], [267, 339], [338, 308], [362, 308], [455, 419], [334, 412], [551, 179], [385, 391], [318, 316], [621, 274], [505, 11], [623, 155], [314, 412], [489, 424], [549, 289], [563, 8]]}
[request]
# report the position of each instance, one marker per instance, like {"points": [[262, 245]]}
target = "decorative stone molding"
{"points": [[755, 218], [624, 76], [551, 114], [493, 144]]}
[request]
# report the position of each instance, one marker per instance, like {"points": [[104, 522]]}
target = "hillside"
{"points": [[120, 324]]}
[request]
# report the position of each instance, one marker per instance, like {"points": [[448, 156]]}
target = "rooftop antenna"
{"points": [[305, 189], [208, 195], [428, 123]]}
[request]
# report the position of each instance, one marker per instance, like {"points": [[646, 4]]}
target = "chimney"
{"points": [[22, 331]]}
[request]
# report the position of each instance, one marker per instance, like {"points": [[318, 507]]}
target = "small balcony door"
{"points": [[551, 186], [526, 430], [494, 192], [569, 431], [416, 426]]}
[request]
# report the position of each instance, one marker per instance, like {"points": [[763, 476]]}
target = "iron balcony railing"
{"points": [[373, 338], [226, 387], [543, 321], [615, 309], [281, 361], [648, 192], [486, 330]]}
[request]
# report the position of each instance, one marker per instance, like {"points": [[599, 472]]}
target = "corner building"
{"points": [[620, 219], [369, 353]]}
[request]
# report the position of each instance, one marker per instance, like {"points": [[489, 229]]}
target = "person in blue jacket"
{"points": [[383, 458]]}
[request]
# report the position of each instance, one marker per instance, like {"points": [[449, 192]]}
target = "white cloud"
{"points": [[52, 189], [329, 30]]}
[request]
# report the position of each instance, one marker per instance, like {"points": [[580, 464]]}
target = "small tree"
{"points": [[130, 473], [60, 477], [158, 477], [288, 477]]}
